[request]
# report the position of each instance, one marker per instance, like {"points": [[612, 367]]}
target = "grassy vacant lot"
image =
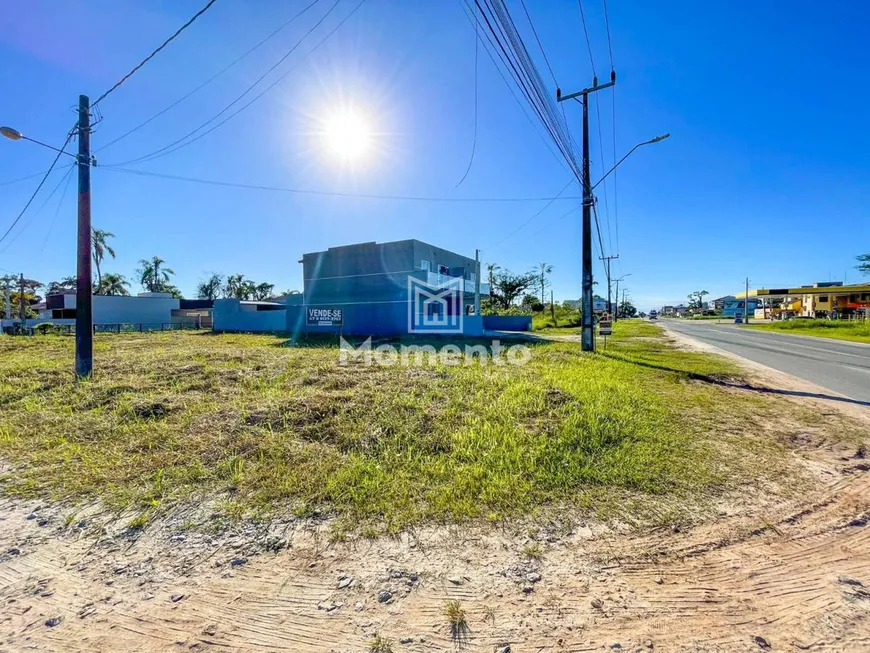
{"points": [[267, 427], [856, 331], [565, 317]]}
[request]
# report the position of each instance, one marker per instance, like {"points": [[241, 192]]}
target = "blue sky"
{"points": [[766, 173]]}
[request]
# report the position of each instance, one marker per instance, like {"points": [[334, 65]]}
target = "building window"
{"points": [[443, 269], [823, 299], [472, 277], [425, 265]]}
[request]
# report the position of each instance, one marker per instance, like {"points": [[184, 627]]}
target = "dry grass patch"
{"points": [[173, 416]]}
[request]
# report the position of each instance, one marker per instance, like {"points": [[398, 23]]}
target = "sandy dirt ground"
{"points": [[784, 575]]}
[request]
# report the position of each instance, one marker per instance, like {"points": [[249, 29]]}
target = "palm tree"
{"points": [[113, 284], [58, 287], [234, 286], [152, 275], [246, 290], [543, 270], [263, 291], [101, 248], [211, 287]]}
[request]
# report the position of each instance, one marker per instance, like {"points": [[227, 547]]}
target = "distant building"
{"points": [[719, 304], [599, 304], [149, 311], [667, 310], [823, 299], [391, 289], [732, 307]]}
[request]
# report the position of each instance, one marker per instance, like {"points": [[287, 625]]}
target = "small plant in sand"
{"points": [[456, 619], [381, 645]]}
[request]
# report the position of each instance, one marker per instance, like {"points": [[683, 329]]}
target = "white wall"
{"points": [[153, 310]]}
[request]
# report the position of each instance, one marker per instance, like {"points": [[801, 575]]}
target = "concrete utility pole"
{"points": [[607, 260], [746, 303], [84, 316], [587, 319], [477, 282]]}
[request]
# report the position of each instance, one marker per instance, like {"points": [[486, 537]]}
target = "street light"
{"points": [[15, 135], [657, 139], [616, 313]]}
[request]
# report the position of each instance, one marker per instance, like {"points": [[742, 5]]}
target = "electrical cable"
{"points": [[34, 175], [64, 178], [474, 138], [550, 224], [522, 84], [607, 27], [39, 187], [549, 67], [532, 217], [56, 212], [472, 18], [210, 79], [145, 173], [516, 59], [541, 47], [154, 53], [603, 181], [179, 144], [586, 33]]}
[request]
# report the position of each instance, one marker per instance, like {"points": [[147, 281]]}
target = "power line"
{"points": [[551, 223], [541, 47], [34, 175], [212, 78], [607, 26], [65, 177], [471, 15], [518, 63], [586, 33], [474, 138], [603, 181], [56, 212], [179, 144], [299, 191], [154, 53], [532, 217], [38, 188]]}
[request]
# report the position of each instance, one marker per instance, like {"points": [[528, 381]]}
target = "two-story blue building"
{"points": [[368, 288]]}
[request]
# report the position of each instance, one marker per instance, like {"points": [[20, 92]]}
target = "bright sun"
{"points": [[347, 135]]}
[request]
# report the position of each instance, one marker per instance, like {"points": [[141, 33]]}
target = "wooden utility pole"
{"points": [[84, 283]]}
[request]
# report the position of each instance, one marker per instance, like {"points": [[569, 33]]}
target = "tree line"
{"points": [[153, 275]]}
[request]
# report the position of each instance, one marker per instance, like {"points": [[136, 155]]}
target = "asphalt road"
{"points": [[837, 365]]}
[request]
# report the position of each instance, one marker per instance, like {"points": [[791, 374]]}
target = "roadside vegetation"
{"points": [[262, 427], [840, 330]]}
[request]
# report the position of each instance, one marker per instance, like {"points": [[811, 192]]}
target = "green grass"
{"points": [[839, 330], [269, 428], [565, 317]]}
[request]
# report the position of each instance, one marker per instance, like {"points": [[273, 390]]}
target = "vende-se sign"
{"points": [[324, 317], [605, 327]]}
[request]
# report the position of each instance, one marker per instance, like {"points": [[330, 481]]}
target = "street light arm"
{"points": [[51, 147], [649, 142], [15, 135]]}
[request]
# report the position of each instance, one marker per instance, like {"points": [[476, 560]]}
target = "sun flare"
{"points": [[347, 135]]}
